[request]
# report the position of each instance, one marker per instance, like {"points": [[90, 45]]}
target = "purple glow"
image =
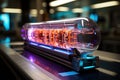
{"points": [[30, 31], [55, 49], [31, 59]]}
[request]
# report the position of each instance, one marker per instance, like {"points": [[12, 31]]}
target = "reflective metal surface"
{"points": [[35, 66]]}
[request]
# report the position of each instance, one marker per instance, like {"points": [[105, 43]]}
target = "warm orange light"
{"points": [[53, 37]]}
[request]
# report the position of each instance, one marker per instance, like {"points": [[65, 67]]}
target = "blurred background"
{"points": [[106, 13]]}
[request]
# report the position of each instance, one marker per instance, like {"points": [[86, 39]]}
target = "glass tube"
{"points": [[80, 33]]}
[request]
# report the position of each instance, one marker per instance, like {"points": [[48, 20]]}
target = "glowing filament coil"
{"points": [[55, 37]]}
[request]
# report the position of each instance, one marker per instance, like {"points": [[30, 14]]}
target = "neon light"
{"points": [[91, 57], [105, 4], [34, 43], [47, 47], [59, 2], [88, 67], [69, 73], [62, 51]]}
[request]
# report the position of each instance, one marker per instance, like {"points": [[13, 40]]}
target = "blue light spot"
{"points": [[7, 40], [69, 73], [94, 17], [81, 63], [6, 21]]}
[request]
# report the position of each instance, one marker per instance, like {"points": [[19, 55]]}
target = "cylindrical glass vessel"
{"points": [[80, 33]]}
